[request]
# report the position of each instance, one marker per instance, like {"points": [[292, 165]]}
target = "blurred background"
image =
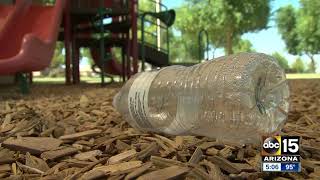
{"points": [[289, 30]]}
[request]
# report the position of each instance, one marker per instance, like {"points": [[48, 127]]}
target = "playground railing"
{"points": [[154, 29]]}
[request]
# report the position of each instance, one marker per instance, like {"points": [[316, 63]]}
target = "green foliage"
{"points": [[298, 66], [85, 53], [300, 29], [310, 67], [58, 57], [243, 45], [58, 60], [225, 20], [47, 2], [286, 22], [116, 54], [282, 61], [183, 49], [147, 5]]}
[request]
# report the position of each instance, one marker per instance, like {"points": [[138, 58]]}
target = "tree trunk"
{"points": [[228, 45], [313, 63]]}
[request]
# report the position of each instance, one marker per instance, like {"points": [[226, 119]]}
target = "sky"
{"points": [[266, 41]]}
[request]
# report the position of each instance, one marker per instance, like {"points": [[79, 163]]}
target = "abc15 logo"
{"points": [[280, 145]]}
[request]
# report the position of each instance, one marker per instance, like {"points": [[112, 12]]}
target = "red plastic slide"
{"points": [[111, 67], [28, 34]]}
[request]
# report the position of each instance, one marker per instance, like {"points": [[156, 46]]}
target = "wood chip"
{"points": [[84, 101], [121, 146], [255, 162], [55, 154], [47, 132], [206, 145], [4, 175], [120, 167], [196, 156], [93, 174], [55, 168], [163, 162], [179, 141], [225, 152], [166, 173], [309, 165], [240, 154], [74, 136], [310, 148], [36, 163], [167, 141], [116, 177], [6, 121], [122, 156], [14, 168], [88, 168], [245, 175], [29, 169], [76, 163], [6, 157], [33, 145], [199, 173], [212, 151], [137, 172], [88, 155], [5, 168], [244, 167], [7, 128], [214, 170], [147, 152], [167, 149], [225, 164], [98, 113]]}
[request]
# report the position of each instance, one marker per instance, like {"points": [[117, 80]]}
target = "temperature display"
{"points": [[290, 167]]}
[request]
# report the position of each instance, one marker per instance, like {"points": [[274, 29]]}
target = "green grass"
{"points": [[61, 80], [303, 76]]}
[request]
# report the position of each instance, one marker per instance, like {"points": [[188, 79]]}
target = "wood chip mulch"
{"points": [[73, 132]]}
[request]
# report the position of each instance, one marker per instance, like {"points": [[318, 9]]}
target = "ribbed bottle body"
{"points": [[234, 98]]}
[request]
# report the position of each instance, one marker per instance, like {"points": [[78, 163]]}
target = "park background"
{"points": [[289, 30]]}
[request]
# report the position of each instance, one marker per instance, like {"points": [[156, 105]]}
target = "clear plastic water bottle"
{"points": [[235, 98]]}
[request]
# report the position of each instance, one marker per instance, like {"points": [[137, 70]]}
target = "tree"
{"points": [[225, 20], [282, 61], [56, 62], [243, 45], [311, 67], [85, 53], [58, 57], [300, 29], [298, 66], [147, 5], [184, 49]]}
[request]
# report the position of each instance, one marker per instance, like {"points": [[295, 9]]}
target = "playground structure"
{"points": [[32, 30], [27, 35], [87, 20]]}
